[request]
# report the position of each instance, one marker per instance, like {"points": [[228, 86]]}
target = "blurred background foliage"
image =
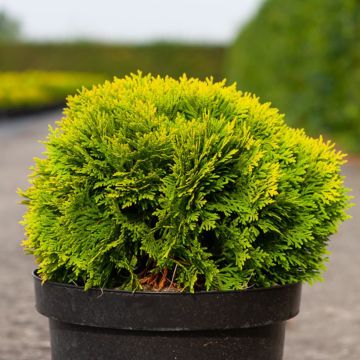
{"points": [[38, 90], [10, 29], [304, 57], [111, 59]]}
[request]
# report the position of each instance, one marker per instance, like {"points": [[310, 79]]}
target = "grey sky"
{"points": [[132, 20]]}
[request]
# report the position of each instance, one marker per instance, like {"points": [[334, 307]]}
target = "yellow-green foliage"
{"points": [[34, 89], [181, 183]]}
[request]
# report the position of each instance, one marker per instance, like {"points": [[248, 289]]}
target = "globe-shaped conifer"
{"points": [[163, 184]]}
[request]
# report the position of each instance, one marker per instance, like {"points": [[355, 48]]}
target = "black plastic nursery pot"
{"points": [[110, 324]]}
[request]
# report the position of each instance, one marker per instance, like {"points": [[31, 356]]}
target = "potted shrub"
{"points": [[177, 219]]}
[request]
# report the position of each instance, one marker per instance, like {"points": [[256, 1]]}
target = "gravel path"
{"points": [[328, 327]]}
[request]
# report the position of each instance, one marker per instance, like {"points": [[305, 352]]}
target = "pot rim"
{"points": [[162, 293], [162, 311]]}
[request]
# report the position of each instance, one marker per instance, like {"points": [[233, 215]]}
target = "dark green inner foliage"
{"points": [[182, 185]]}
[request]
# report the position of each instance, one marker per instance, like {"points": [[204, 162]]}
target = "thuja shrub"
{"points": [[163, 184]]}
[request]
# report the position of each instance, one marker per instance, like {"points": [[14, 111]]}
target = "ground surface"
{"points": [[328, 327]]}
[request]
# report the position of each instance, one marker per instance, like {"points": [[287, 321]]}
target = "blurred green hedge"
{"points": [[304, 56], [159, 59], [33, 90]]}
